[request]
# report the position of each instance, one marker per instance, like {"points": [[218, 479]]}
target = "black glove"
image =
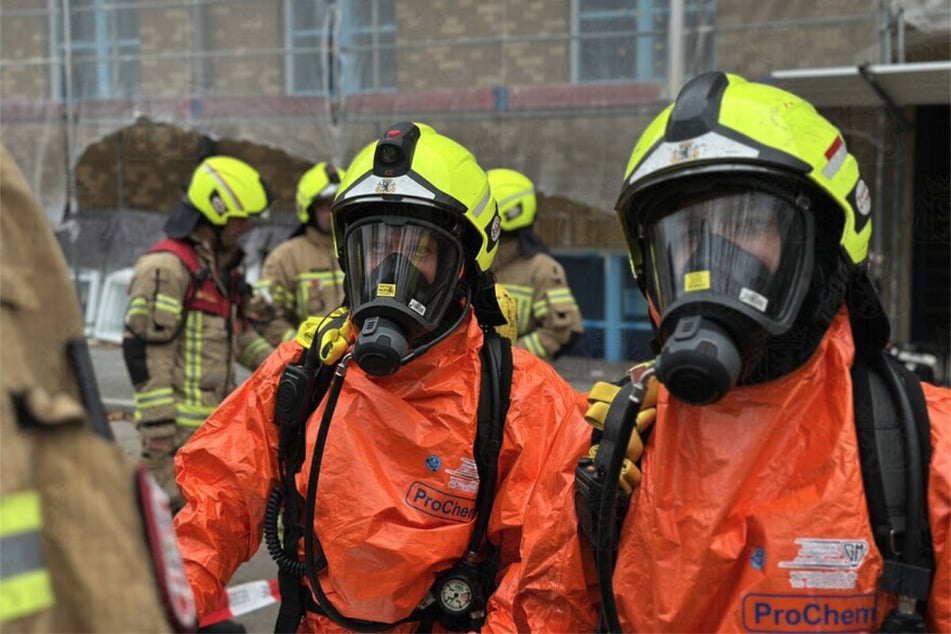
{"points": [[224, 627]]}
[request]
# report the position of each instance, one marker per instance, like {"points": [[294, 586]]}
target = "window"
{"points": [[624, 40], [368, 45], [309, 41], [613, 310], [103, 41]]}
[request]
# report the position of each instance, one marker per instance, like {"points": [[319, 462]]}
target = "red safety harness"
{"points": [[203, 294]]}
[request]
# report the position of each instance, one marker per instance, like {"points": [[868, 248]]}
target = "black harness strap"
{"points": [[292, 413], [893, 433]]}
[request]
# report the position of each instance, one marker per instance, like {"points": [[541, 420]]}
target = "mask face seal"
{"points": [[402, 276], [726, 271]]}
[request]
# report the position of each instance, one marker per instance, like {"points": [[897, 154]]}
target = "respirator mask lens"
{"points": [[725, 271], [402, 276]]}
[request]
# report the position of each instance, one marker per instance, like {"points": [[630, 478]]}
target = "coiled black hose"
{"points": [[273, 540]]}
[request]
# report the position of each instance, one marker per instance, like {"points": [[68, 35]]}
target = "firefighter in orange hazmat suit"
{"points": [[748, 228], [391, 443]]}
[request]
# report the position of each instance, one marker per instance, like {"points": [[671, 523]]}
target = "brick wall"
{"points": [[24, 36], [164, 32], [814, 36], [545, 127]]}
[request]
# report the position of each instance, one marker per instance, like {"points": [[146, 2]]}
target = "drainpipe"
{"points": [[675, 48]]}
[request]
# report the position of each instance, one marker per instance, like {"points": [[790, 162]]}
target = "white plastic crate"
{"points": [[112, 306]]}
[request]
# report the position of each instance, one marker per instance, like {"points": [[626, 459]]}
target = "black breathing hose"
{"points": [[615, 440], [329, 610]]}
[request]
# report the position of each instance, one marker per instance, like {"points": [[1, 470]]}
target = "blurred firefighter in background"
{"points": [[301, 278], [187, 322], [549, 320]]}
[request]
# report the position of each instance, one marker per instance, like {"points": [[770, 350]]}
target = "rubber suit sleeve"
{"points": [[153, 323], [939, 506], [554, 309], [225, 473], [530, 431], [553, 587], [277, 286]]}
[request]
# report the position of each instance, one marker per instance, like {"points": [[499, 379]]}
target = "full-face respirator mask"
{"points": [[727, 271], [402, 277]]}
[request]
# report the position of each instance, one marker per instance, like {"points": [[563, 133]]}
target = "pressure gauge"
{"points": [[455, 595]]}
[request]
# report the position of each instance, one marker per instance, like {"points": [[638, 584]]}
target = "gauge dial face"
{"points": [[455, 595]]}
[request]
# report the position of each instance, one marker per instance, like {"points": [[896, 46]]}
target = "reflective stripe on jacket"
{"points": [[302, 279], [548, 314]]}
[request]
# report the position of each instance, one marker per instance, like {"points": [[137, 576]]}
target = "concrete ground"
{"points": [[116, 392]]}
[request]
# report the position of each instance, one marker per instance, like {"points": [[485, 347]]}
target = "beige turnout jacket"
{"points": [[75, 557], [547, 312], [301, 278], [182, 361]]}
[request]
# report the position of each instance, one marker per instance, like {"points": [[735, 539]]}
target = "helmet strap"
{"points": [[485, 302]]}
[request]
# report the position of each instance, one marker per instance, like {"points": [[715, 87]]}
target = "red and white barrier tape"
{"points": [[243, 598]]}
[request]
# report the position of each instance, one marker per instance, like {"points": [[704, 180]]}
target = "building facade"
{"points": [[105, 103]]}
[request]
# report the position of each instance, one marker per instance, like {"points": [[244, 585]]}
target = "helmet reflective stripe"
{"points": [[478, 209], [25, 586], [224, 186], [514, 197]]}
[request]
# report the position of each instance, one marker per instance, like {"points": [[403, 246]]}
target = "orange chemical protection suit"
{"points": [[398, 481], [750, 517]]}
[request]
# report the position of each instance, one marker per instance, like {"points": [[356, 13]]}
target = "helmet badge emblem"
{"points": [[218, 204], [386, 186], [863, 200], [495, 230], [686, 151]]}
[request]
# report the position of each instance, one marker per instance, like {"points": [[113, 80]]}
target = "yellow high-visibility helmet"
{"points": [[515, 194], [320, 182], [221, 188], [721, 123], [415, 168]]}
